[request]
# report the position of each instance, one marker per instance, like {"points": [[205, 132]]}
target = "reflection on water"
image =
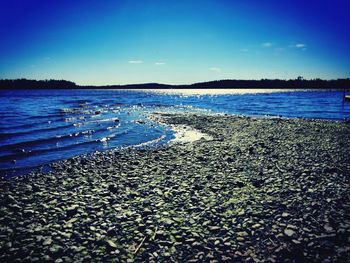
{"points": [[192, 92]]}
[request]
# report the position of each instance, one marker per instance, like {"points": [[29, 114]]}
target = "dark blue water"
{"points": [[40, 126]]}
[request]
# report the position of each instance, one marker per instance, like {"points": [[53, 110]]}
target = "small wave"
{"points": [[81, 110], [70, 110], [48, 116], [149, 143], [113, 127], [29, 126], [25, 154], [44, 140], [12, 134], [54, 139], [22, 155], [104, 139], [96, 121], [14, 151], [72, 119]]}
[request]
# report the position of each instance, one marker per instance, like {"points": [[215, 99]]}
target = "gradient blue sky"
{"points": [[118, 42]]}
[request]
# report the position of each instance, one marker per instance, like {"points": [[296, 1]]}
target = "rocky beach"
{"points": [[251, 190]]}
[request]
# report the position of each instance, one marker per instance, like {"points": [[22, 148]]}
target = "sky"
{"points": [[175, 42]]}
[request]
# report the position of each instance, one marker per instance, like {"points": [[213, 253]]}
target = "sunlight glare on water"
{"points": [[194, 92]]}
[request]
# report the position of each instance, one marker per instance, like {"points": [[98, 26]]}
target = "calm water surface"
{"points": [[41, 126]]}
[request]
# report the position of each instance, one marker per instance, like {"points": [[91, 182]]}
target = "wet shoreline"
{"points": [[76, 122], [259, 189]]}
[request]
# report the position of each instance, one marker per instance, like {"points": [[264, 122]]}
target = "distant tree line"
{"points": [[298, 83], [36, 84]]}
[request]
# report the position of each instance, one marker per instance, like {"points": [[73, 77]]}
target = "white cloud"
{"points": [[300, 45], [135, 61], [266, 44], [159, 63], [215, 69]]}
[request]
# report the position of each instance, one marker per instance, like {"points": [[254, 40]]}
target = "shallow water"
{"points": [[41, 126]]}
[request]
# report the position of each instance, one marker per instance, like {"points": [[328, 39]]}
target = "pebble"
{"points": [[253, 193], [47, 242], [111, 244], [289, 232], [285, 214]]}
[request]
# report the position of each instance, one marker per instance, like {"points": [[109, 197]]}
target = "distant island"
{"points": [[298, 83]]}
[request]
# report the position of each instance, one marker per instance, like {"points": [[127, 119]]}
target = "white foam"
{"points": [[187, 134], [149, 142], [183, 133]]}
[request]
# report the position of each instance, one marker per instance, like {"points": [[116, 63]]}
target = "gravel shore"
{"points": [[271, 190]]}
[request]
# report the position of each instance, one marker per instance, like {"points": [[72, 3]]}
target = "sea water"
{"points": [[38, 127]]}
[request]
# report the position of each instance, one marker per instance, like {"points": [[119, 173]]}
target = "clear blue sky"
{"points": [[118, 42]]}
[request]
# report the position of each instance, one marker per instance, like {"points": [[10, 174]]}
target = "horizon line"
{"points": [[300, 78]]}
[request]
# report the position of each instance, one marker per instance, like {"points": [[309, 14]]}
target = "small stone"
{"points": [[113, 188], [285, 214], [111, 244], [256, 226], [167, 222], [242, 234], [190, 240], [289, 232], [146, 212], [47, 242], [146, 202], [67, 259], [47, 258], [230, 160], [257, 183], [72, 210], [65, 234], [297, 242], [241, 213], [328, 228], [55, 249], [214, 228], [11, 198], [28, 212]]}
